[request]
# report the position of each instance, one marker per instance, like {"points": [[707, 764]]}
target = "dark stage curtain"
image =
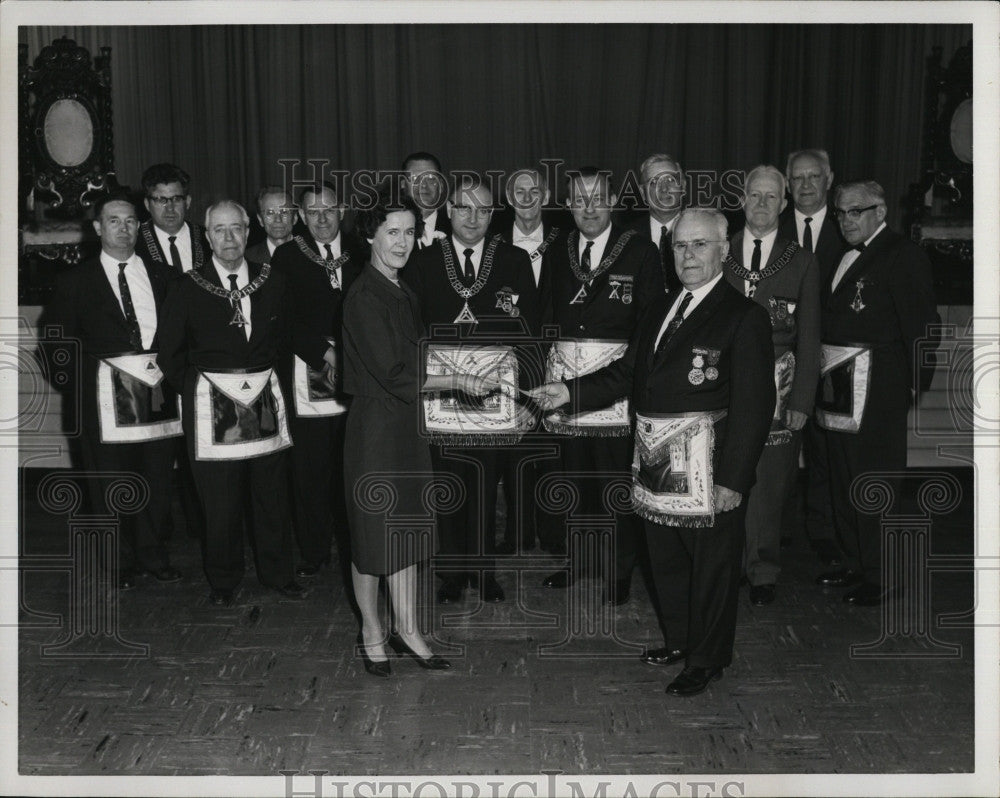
{"points": [[226, 102]]}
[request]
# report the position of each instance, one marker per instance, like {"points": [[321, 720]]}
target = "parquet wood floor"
{"points": [[273, 684]]}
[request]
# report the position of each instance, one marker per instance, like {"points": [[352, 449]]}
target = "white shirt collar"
{"points": [[334, 247], [164, 237], [654, 228], [597, 251], [242, 273], [536, 236], [477, 254], [878, 230], [817, 219], [111, 264]]}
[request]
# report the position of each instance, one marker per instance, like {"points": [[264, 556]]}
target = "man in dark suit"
{"points": [[700, 374], [225, 327], [486, 291], [604, 279], [113, 305], [878, 304], [425, 183], [662, 187], [166, 237], [528, 226], [169, 241], [276, 214], [320, 268], [810, 222], [783, 278]]}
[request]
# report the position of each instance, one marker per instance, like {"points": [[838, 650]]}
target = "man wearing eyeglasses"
{"points": [[320, 267], [474, 291], [699, 373], [166, 237], [604, 278], [810, 221], [878, 304], [783, 278], [170, 241], [276, 214], [425, 184], [663, 189]]}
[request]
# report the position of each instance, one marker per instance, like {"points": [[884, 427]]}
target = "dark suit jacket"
{"points": [[726, 321], [640, 223], [318, 308], [828, 247], [148, 246], [511, 273], [195, 332], [86, 308], [604, 313], [794, 289], [552, 237], [897, 299], [258, 253]]}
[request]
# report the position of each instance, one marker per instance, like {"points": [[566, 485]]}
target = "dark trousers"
{"points": [[317, 482], [467, 535], [879, 449], [819, 513], [194, 517], [224, 486], [606, 459], [520, 474], [696, 577], [776, 472], [142, 536]]}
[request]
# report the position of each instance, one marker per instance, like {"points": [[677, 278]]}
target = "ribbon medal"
{"points": [[507, 301], [857, 304]]}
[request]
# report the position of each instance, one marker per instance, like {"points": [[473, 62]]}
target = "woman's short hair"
{"points": [[370, 219]]}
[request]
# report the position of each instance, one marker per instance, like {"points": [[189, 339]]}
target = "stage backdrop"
{"points": [[226, 102]]}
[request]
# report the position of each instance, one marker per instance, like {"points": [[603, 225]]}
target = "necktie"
{"points": [[664, 246], [585, 261], [134, 335], [675, 322], [860, 247], [334, 275], [807, 235], [754, 266], [175, 255], [238, 305], [470, 272]]}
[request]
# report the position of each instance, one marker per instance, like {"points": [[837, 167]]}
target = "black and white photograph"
{"points": [[499, 399]]}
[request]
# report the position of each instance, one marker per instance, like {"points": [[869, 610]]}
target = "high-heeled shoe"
{"points": [[374, 667], [431, 663]]}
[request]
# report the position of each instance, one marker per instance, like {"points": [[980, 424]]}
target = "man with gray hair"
{"points": [[782, 278], [224, 327], [662, 187], [699, 373], [878, 304], [276, 214]]}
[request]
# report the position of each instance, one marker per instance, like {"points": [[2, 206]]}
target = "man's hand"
{"points": [[725, 499], [550, 395], [330, 375], [478, 385], [795, 420]]}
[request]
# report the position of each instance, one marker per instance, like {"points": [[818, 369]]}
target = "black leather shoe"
{"points": [[841, 578], [490, 590], [127, 579], [663, 656], [761, 595], [621, 591], [431, 663], [559, 579], [165, 574], [449, 592], [308, 569], [380, 668], [221, 598], [693, 680], [870, 595], [292, 590]]}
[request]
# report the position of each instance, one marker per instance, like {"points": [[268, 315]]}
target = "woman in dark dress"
{"points": [[387, 465]]}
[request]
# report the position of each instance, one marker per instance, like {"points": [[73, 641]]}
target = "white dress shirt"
{"points": [[697, 295], [139, 288], [814, 225], [183, 243], [430, 225], [596, 251], [335, 249], [242, 281], [766, 245], [529, 243], [654, 229], [477, 255], [849, 257]]}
